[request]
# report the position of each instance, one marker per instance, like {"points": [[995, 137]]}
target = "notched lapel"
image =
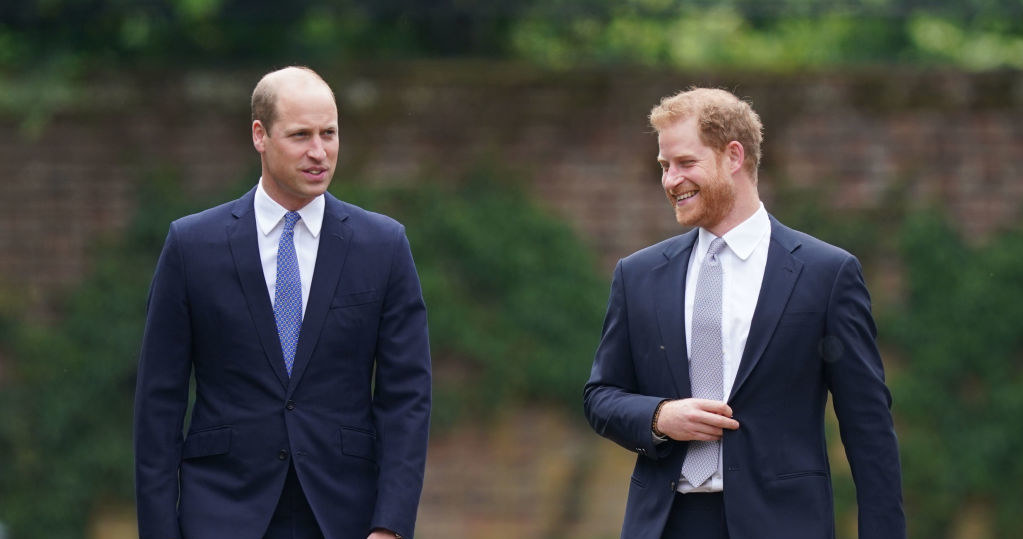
{"points": [[780, 276], [245, 252], [335, 239], [670, 286]]}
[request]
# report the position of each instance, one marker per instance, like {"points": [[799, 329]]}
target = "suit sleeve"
{"points": [[161, 396], [402, 395], [862, 402], [611, 401]]}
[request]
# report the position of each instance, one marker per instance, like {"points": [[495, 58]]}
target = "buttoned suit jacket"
{"points": [[812, 333], [352, 418]]}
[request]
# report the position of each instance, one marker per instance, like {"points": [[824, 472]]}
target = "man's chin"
{"points": [[688, 218], [316, 189]]}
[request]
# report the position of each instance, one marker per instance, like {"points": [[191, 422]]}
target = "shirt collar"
{"points": [[269, 212], [744, 238]]}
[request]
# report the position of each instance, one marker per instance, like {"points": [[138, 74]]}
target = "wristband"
{"points": [[653, 423]]}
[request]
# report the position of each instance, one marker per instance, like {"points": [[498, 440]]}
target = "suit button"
{"points": [[673, 486], [283, 455], [290, 405]]}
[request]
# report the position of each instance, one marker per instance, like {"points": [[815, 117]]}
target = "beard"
{"points": [[715, 201]]}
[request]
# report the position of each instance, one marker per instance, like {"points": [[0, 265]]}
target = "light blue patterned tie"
{"points": [[706, 365], [288, 291]]}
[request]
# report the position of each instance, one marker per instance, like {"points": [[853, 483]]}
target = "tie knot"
{"points": [[715, 248], [290, 219]]}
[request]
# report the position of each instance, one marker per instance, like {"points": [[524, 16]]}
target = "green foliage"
{"points": [[96, 35], [514, 309], [514, 303], [960, 395], [780, 35], [65, 413], [166, 33]]}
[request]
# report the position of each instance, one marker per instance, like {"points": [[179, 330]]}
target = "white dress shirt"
{"points": [[742, 265], [270, 225]]}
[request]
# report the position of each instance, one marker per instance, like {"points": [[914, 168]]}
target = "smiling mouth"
{"points": [[687, 194]]}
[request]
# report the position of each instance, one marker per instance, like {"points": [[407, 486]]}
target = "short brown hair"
{"points": [[264, 97], [721, 118]]}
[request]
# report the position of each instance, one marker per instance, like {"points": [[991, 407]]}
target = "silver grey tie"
{"points": [[706, 363]]}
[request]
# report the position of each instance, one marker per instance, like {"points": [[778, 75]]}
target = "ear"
{"points": [[259, 135], [735, 155]]}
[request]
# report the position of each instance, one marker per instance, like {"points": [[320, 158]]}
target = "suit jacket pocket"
{"points": [[207, 442], [804, 473], [355, 298], [359, 443]]}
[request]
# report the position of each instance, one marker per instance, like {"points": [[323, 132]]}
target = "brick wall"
{"points": [[580, 140]]}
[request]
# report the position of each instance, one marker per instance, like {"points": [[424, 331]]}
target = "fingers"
{"points": [[721, 422], [712, 406], [705, 433], [696, 419], [715, 414]]}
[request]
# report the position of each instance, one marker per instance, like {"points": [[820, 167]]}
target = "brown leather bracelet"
{"points": [[653, 423]]}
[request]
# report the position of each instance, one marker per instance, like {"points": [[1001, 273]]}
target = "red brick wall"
{"points": [[579, 139]]}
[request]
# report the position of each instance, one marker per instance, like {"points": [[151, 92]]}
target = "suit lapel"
{"points": [[245, 252], [669, 284], [335, 239], [780, 275]]}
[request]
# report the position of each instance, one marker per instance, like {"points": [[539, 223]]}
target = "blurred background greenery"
{"points": [[515, 273]]}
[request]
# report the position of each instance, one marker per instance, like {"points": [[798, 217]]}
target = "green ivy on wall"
{"points": [[959, 392], [515, 304], [66, 406]]}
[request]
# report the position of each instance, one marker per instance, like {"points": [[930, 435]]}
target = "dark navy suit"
{"points": [[812, 333], [352, 419]]}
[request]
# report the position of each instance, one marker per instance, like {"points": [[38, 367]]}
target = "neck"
{"points": [[746, 204]]}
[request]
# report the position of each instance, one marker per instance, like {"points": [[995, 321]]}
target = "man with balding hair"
{"points": [[302, 321], [720, 348]]}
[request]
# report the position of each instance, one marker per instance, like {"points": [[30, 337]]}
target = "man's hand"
{"points": [[382, 534], [695, 419]]}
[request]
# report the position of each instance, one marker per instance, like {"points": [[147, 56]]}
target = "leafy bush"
{"points": [[75, 35], [514, 304], [959, 395], [65, 413]]}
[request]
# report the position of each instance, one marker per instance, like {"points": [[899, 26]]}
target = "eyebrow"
{"points": [[305, 128], [682, 157]]}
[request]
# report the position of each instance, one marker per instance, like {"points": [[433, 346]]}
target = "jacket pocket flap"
{"points": [[358, 443], [207, 442], [355, 298]]}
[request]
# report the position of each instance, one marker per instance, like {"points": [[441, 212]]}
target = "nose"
{"points": [[671, 179], [317, 151]]}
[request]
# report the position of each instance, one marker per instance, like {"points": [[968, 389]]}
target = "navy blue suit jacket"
{"points": [[812, 333], [353, 417]]}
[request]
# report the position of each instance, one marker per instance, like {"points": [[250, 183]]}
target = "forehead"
{"points": [[309, 104], [681, 138]]}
